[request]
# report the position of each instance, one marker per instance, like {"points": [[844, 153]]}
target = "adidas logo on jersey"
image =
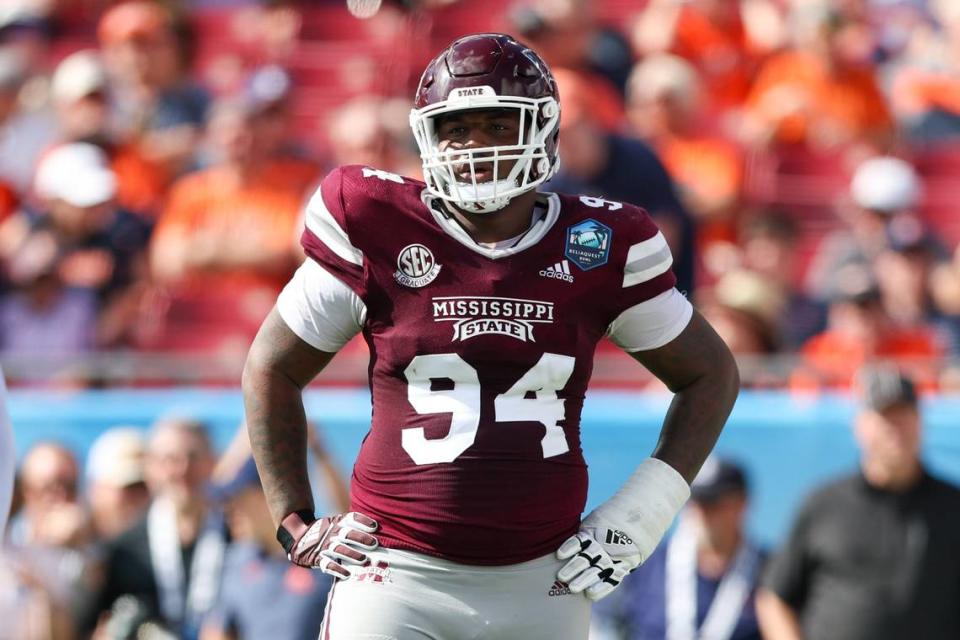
{"points": [[559, 589], [559, 271], [615, 536]]}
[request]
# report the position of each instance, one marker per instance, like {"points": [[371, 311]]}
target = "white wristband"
{"points": [[645, 505]]}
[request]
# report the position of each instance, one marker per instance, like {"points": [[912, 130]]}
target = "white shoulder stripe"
{"points": [[646, 260], [322, 224]]}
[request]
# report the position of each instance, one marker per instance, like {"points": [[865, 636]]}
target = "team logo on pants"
{"points": [[378, 573]]}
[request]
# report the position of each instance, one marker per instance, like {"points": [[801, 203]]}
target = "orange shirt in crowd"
{"points": [[797, 94], [831, 359], [140, 184], [723, 54], [708, 171], [264, 209], [917, 91], [220, 306]]}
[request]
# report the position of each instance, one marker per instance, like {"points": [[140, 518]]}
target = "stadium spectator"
{"points": [[115, 481], [569, 35], [26, 130], [225, 242], [724, 39], [872, 555], [601, 163], [665, 107], [881, 188], [746, 309], [39, 314], [375, 132], [154, 101], [52, 514], [47, 566], [822, 93], [701, 582], [98, 248], [926, 77], [166, 569], [858, 331], [256, 570], [768, 245], [944, 290], [80, 91], [903, 271]]}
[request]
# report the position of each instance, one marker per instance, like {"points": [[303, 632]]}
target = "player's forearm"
{"points": [[699, 368], [277, 425], [696, 417], [278, 367]]}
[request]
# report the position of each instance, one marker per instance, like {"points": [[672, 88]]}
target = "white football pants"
{"points": [[402, 595]]}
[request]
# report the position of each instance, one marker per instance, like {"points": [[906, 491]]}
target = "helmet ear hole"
{"points": [[550, 109]]}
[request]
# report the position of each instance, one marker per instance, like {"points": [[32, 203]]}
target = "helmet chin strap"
{"points": [[483, 198]]}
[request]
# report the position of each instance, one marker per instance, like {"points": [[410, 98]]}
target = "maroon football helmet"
{"points": [[488, 71]]}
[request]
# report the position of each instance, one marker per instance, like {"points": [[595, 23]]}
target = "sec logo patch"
{"points": [[416, 266]]}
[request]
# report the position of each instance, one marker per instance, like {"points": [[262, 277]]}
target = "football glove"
{"points": [[331, 544], [592, 568], [622, 532]]}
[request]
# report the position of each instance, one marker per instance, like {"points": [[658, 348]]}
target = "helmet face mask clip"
{"points": [[519, 82]]}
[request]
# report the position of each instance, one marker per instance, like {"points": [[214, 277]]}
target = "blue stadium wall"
{"points": [[788, 444]]}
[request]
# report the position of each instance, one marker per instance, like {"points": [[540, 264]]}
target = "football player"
{"points": [[482, 300]]}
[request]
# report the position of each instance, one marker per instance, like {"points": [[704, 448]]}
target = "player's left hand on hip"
{"points": [[332, 544], [596, 568]]}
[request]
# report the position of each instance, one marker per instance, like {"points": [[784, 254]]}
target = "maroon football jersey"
{"points": [[479, 359]]}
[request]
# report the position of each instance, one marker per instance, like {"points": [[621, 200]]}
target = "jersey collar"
{"points": [[536, 232]]}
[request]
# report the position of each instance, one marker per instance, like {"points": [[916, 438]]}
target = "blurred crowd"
{"points": [[800, 156], [155, 535]]}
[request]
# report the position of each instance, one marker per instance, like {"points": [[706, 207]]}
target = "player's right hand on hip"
{"points": [[333, 544]]}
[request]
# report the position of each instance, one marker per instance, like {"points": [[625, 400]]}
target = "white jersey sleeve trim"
{"points": [[646, 260], [322, 224], [323, 311], [652, 323]]}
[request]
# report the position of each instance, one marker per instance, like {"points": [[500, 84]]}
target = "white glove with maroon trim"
{"points": [[331, 544], [621, 533]]}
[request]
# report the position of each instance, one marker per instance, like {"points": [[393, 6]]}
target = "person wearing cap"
{"points": [[881, 189], [80, 91], [873, 555], [859, 329], [154, 101], [115, 483], [167, 566], [701, 583], [96, 248], [263, 594]]}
